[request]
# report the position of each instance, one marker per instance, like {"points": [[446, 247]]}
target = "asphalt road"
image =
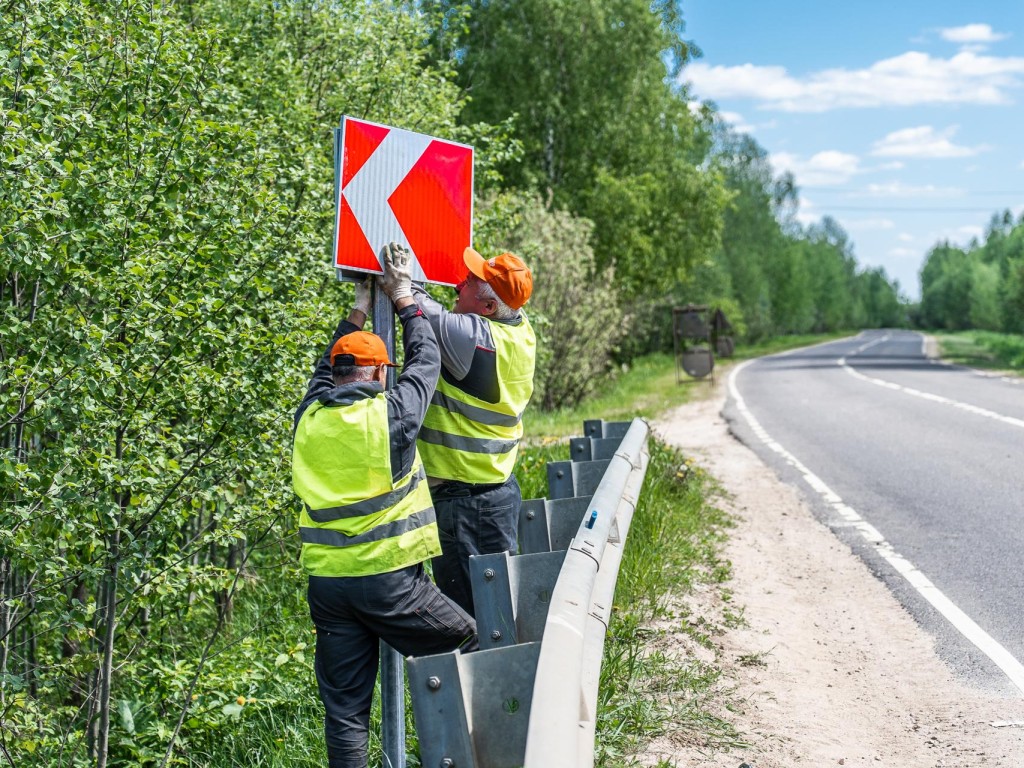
{"points": [[919, 467]]}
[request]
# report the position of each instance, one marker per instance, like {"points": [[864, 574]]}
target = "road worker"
{"points": [[470, 437], [367, 523]]}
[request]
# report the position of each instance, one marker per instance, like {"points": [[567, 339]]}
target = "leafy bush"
{"points": [[166, 198], [574, 309]]}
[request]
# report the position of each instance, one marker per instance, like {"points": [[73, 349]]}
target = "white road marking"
{"points": [[1010, 420], [963, 623]]}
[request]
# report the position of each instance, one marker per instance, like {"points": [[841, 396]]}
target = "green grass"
{"points": [[674, 545], [646, 388], [986, 350]]}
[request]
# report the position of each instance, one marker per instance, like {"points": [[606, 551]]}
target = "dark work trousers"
{"points": [[472, 520], [352, 615]]}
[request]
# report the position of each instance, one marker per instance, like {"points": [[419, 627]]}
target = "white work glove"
{"points": [[364, 296], [396, 281]]}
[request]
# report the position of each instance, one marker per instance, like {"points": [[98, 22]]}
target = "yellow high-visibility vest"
{"points": [[471, 440], [355, 521]]}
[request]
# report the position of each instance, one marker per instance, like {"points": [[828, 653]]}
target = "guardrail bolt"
{"points": [[447, 762], [530, 515], [489, 574], [560, 474], [496, 635], [433, 682]]}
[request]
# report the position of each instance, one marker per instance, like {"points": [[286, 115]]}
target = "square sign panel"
{"points": [[393, 185]]}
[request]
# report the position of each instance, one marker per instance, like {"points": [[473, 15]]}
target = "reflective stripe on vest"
{"points": [[355, 521], [468, 439]]}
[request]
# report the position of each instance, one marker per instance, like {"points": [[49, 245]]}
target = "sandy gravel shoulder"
{"points": [[843, 674]]}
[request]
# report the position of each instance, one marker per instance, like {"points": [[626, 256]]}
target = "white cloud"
{"points": [[961, 235], [972, 33], [903, 253], [824, 169], [862, 225], [923, 141], [908, 79], [899, 189], [735, 119], [807, 212]]}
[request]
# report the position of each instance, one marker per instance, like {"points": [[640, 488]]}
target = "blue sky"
{"points": [[903, 120]]}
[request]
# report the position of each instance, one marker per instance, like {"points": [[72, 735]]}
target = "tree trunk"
{"points": [[106, 670], [70, 646], [225, 597], [5, 623]]}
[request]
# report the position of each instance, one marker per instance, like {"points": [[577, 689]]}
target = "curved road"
{"points": [[919, 467]]}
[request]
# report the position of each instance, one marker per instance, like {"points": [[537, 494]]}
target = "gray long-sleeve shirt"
{"points": [[467, 347], [408, 399]]}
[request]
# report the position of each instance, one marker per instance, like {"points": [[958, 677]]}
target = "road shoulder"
{"points": [[827, 668]]}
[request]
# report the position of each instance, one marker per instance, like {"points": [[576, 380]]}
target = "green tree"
{"points": [[752, 237], [574, 348], [603, 135], [946, 278]]}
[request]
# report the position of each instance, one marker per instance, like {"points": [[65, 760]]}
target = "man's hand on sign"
{"points": [[397, 278], [361, 308], [364, 295]]}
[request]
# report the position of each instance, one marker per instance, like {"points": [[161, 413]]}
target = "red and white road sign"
{"points": [[398, 186]]}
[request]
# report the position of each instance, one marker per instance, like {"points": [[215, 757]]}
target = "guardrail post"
{"points": [[593, 448], [574, 478], [442, 723], [492, 600], [599, 428], [511, 595], [473, 710], [547, 525]]}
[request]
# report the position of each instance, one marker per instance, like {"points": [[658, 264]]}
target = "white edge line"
{"points": [[976, 410], [963, 623]]}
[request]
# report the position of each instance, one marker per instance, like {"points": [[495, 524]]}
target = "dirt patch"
{"points": [[828, 669]]}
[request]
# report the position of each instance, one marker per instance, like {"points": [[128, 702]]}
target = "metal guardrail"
{"points": [[528, 696]]}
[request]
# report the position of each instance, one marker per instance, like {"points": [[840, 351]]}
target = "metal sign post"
{"points": [[392, 673]]}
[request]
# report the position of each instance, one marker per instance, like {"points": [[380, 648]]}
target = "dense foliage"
{"points": [[979, 287], [165, 204]]}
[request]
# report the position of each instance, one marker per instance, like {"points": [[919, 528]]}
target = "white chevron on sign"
{"points": [[368, 191]]}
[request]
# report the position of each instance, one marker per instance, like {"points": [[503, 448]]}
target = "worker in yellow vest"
{"points": [[470, 436], [367, 523]]}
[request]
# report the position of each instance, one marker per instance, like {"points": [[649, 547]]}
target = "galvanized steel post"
{"points": [[392, 673]]}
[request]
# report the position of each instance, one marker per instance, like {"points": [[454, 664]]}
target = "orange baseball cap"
{"points": [[506, 273], [360, 348]]}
